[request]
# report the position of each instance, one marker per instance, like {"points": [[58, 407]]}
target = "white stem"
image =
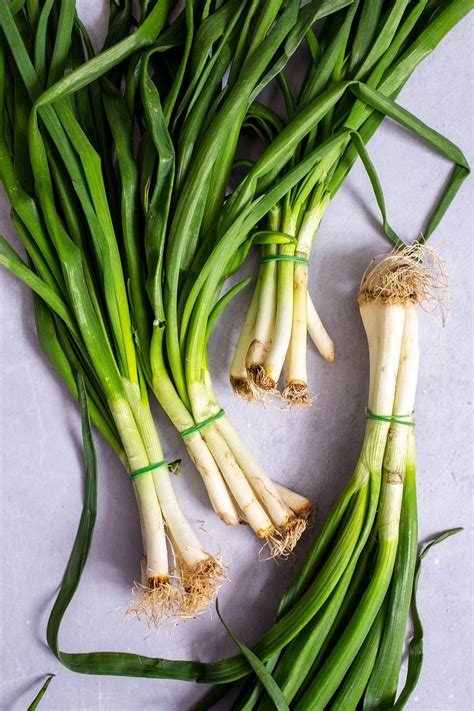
{"points": [[295, 363], [231, 471], [404, 402], [296, 372], [318, 333], [189, 547], [284, 310], [259, 480], [152, 523], [299, 504], [396, 453], [371, 318], [215, 485], [384, 325], [384, 328], [238, 369], [197, 448], [242, 492], [265, 321], [151, 519]]}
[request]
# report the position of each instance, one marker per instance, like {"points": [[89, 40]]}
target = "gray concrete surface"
{"points": [[314, 451]]}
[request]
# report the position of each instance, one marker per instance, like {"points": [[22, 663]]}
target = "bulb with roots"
{"points": [[254, 378], [414, 274], [184, 593]]}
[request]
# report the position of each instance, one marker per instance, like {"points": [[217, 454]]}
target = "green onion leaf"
{"points": [[415, 650], [269, 683], [35, 703]]}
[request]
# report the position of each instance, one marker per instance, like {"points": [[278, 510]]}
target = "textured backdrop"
{"points": [[313, 451]]}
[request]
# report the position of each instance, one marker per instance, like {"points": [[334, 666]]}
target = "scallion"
{"points": [[337, 114]]}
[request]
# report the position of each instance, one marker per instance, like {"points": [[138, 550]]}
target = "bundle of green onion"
{"points": [[379, 44], [77, 259], [356, 585]]}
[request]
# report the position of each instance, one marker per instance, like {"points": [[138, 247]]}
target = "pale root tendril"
{"points": [[282, 542], [262, 386], [200, 585], [292, 533], [154, 602], [296, 393], [414, 274], [241, 387]]}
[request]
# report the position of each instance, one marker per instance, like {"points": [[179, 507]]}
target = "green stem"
{"points": [[326, 682], [356, 679], [382, 687]]}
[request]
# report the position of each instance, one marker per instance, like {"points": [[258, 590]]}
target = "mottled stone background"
{"points": [[313, 451]]}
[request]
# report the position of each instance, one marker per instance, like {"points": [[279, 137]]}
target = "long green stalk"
{"points": [[355, 682], [382, 687]]}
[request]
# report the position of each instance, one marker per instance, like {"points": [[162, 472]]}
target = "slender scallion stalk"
{"points": [[296, 388], [383, 683], [265, 299]]}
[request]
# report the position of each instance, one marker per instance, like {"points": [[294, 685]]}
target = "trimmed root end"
{"points": [[306, 512], [241, 387], [281, 543], [155, 601], [296, 392], [261, 385], [292, 533], [414, 274], [182, 596], [201, 585], [272, 546]]}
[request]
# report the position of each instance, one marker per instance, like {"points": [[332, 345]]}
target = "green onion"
{"points": [[60, 205], [35, 703], [357, 45], [361, 569]]}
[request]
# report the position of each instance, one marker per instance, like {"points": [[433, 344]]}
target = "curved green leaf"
{"points": [[35, 703]]}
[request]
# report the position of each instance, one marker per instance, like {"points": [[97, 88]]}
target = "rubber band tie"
{"points": [[390, 418], [283, 258], [149, 468], [200, 425]]}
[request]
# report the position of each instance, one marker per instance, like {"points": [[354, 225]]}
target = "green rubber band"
{"points": [[200, 425], [283, 258], [149, 468], [390, 418]]}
